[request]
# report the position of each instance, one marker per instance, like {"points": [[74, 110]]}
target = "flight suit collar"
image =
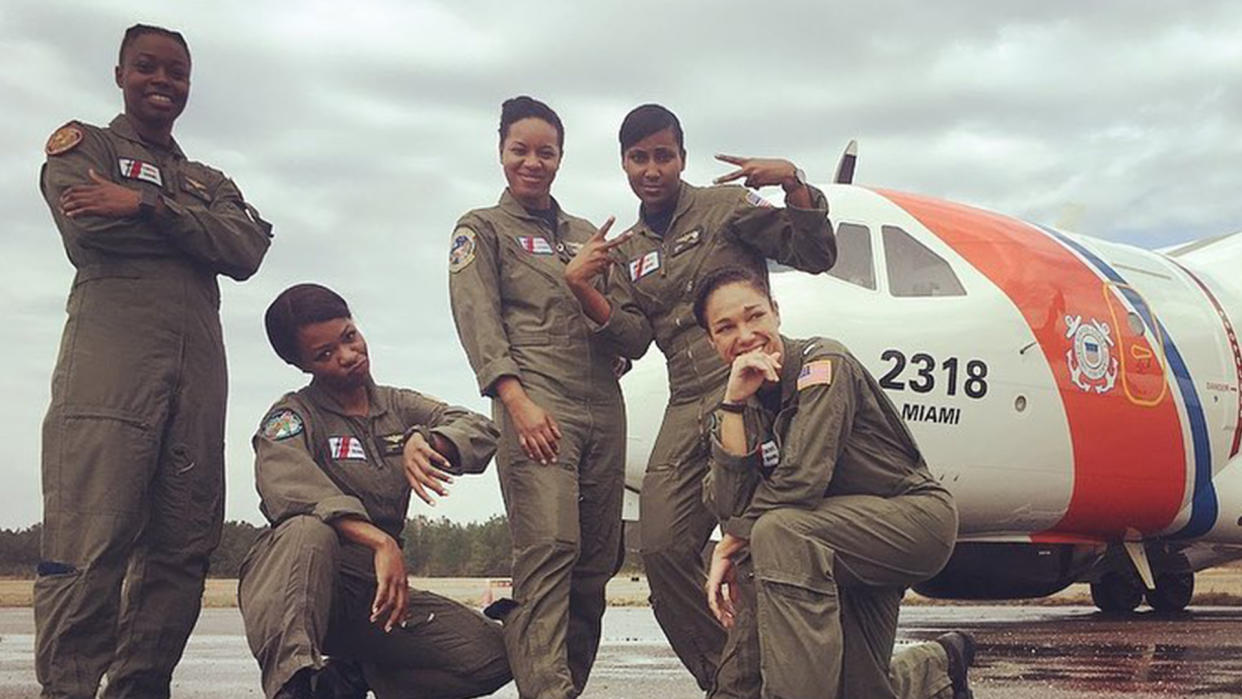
{"points": [[122, 127], [686, 195], [791, 366], [510, 205], [325, 400]]}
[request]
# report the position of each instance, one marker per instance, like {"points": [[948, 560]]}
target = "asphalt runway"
{"points": [[1036, 652]]}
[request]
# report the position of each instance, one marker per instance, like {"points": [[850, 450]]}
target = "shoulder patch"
{"points": [[64, 139], [815, 373], [461, 254], [282, 424], [754, 199]]}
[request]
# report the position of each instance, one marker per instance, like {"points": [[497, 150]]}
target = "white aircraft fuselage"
{"points": [[1082, 399]]}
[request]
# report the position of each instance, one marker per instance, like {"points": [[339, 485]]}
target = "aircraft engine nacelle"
{"points": [[983, 571]]}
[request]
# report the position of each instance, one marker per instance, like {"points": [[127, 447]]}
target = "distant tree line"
{"points": [[433, 548]]}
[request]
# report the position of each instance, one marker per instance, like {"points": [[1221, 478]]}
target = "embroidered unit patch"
{"points": [[462, 252], [816, 373], [63, 140], [282, 424]]}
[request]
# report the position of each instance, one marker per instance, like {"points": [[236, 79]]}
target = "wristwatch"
{"points": [[799, 177], [736, 408]]}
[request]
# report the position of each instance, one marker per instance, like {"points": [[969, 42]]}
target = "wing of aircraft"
{"points": [[1081, 398]]}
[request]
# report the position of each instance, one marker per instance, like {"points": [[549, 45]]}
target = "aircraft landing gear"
{"points": [[1173, 592], [1117, 592]]}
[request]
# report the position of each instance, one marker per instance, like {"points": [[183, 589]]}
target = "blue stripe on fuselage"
{"points": [[1203, 505]]}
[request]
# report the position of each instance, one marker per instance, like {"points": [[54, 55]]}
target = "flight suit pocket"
{"points": [[99, 461], [185, 500]]}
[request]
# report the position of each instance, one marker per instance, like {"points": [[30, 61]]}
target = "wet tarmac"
{"points": [[1036, 652]]}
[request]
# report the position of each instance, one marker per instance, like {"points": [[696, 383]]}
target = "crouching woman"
{"points": [[335, 463], [828, 511]]}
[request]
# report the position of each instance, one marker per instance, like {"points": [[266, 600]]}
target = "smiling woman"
{"points": [[553, 382], [133, 443]]}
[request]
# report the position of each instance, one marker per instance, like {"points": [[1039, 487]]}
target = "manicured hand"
{"points": [[102, 198], [722, 586], [538, 433], [424, 469], [392, 589], [595, 256], [748, 373], [758, 172]]}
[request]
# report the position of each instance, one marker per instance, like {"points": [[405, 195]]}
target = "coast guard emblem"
{"points": [[1090, 357]]}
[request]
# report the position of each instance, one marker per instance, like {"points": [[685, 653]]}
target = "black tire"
{"points": [[1173, 592], [1117, 593]]}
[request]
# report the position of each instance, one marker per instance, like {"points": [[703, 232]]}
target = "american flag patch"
{"points": [[642, 266], [815, 373], [346, 448], [139, 170], [535, 245]]}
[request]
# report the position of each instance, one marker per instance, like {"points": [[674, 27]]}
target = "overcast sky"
{"points": [[363, 130]]}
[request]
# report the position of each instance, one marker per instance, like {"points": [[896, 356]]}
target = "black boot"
{"points": [[960, 647], [339, 679]]}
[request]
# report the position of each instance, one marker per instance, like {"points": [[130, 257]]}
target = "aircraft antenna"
{"points": [[845, 167]]}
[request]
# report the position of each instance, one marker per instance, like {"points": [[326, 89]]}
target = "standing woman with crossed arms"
{"points": [[133, 442], [555, 397]]}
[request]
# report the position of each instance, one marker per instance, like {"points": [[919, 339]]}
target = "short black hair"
{"points": [[646, 119], [522, 107], [138, 30], [295, 307], [721, 277]]}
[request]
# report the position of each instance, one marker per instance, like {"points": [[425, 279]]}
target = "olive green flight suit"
{"points": [[133, 442], [516, 317], [306, 591], [711, 228], [842, 515]]}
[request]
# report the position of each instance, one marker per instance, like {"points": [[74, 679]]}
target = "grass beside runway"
{"points": [[1214, 587]]}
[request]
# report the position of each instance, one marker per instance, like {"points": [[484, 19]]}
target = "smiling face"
{"points": [[742, 319], [154, 77], [335, 353], [530, 157], [653, 166]]}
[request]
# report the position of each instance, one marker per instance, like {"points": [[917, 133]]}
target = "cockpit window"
{"points": [[854, 256], [914, 270]]}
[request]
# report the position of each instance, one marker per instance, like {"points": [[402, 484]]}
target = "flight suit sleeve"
{"points": [[473, 435], [474, 294], [112, 235], [812, 444], [731, 479], [289, 480], [627, 330], [226, 234], [798, 238]]}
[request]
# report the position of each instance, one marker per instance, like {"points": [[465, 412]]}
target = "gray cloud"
{"points": [[363, 132]]}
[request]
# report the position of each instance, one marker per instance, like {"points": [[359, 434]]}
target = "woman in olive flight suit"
{"points": [[553, 382]]}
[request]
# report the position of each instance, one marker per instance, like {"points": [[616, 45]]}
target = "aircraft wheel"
{"points": [[1117, 592], [1173, 592]]}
